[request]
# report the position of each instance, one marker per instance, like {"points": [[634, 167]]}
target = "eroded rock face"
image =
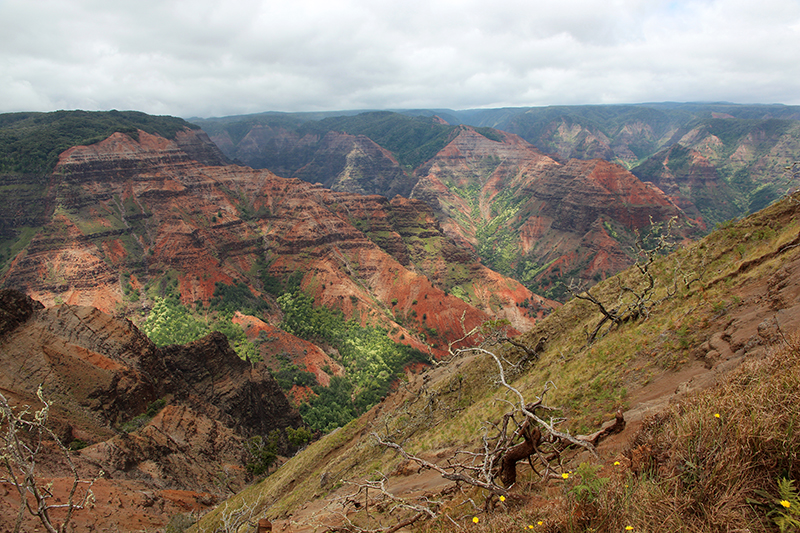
{"points": [[691, 181], [555, 218], [212, 379], [102, 369], [133, 210], [100, 374], [301, 352]]}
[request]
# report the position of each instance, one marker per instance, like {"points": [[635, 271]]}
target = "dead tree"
{"points": [[374, 494], [493, 333], [232, 517], [23, 439], [635, 296], [524, 433]]}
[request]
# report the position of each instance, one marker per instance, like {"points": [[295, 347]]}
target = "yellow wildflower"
{"points": [[786, 503], [565, 475], [716, 415], [502, 498], [628, 528], [475, 519], [616, 463]]}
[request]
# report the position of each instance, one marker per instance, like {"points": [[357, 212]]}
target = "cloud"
{"points": [[204, 58]]}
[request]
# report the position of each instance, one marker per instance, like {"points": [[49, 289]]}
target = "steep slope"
{"points": [[340, 161], [160, 423], [30, 144], [737, 303]]}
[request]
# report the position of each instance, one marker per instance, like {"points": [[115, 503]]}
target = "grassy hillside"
{"points": [[685, 469]]}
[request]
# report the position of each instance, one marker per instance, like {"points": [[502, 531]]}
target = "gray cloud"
{"points": [[204, 57]]}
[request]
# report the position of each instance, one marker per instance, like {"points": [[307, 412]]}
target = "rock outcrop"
{"points": [[103, 378]]}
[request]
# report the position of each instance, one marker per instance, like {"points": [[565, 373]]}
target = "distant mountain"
{"points": [[728, 166], [30, 144]]}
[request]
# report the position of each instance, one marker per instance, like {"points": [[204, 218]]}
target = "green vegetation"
{"points": [[490, 133], [237, 297], [276, 285], [31, 142], [332, 407], [289, 374], [142, 419], [9, 248], [730, 132], [372, 361], [170, 322], [262, 453], [298, 437], [698, 465]]}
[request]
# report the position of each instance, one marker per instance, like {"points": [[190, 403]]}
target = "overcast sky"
{"points": [[212, 58]]}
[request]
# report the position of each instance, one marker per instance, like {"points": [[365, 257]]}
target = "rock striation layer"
{"points": [[538, 219], [134, 212]]}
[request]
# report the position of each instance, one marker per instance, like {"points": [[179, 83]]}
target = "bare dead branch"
{"points": [[374, 493], [19, 458], [635, 296], [452, 473]]}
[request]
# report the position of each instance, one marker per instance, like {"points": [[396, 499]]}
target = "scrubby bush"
{"points": [[262, 453]]}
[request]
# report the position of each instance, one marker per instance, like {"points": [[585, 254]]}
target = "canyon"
{"points": [[527, 215], [423, 244]]}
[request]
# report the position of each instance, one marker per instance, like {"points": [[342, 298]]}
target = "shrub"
{"points": [[298, 437], [169, 322], [262, 453]]}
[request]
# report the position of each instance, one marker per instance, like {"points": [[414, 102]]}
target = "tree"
{"points": [[636, 295], [23, 441]]}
